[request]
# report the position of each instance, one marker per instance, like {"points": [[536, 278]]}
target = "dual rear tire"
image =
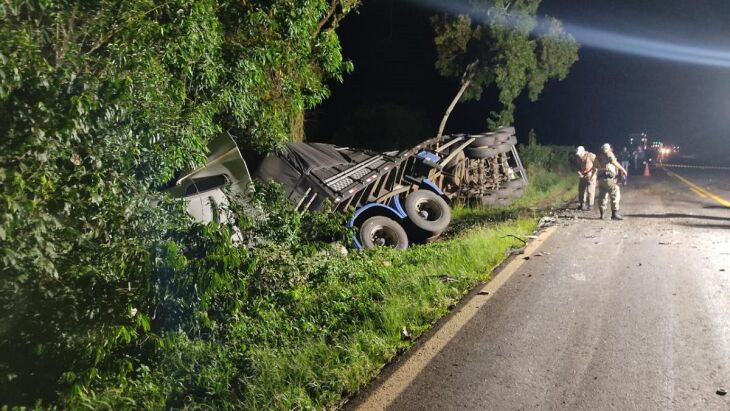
{"points": [[427, 216]]}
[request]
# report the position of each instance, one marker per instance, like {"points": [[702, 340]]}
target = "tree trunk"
{"points": [[465, 81], [456, 99]]}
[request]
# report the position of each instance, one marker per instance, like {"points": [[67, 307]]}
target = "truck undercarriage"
{"points": [[396, 198]]}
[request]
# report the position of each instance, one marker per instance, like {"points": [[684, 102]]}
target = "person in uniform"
{"points": [[586, 178], [625, 158], [608, 169]]}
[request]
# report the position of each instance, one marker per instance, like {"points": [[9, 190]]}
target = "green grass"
{"points": [[411, 289], [326, 324]]}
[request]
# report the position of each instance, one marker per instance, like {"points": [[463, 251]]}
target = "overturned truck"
{"points": [[396, 198]]}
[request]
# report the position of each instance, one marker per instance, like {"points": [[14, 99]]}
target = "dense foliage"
{"points": [[111, 296], [101, 102], [503, 43]]}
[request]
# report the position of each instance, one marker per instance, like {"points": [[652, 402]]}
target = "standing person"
{"points": [[625, 157], [640, 157], [607, 166], [586, 178], [635, 157]]}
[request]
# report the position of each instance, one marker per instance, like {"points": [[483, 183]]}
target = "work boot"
{"points": [[581, 207], [601, 211], [590, 207], [616, 216]]}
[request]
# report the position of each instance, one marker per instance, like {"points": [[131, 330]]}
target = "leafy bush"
{"points": [[101, 102], [549, 158]]}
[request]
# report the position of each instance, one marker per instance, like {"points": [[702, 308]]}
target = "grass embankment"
{"points": [[286, 323], [391, 291]]}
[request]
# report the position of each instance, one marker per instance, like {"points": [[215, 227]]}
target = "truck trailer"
{"points": [[396, 198]]}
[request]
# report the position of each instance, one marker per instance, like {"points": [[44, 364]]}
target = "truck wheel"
{"points": [[506, 130], [480, 152], [428, 211], [483, 140], [503, 148], [382, 231], [507, 139]]}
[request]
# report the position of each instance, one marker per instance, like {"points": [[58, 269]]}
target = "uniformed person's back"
{"points": [[607, 169]]}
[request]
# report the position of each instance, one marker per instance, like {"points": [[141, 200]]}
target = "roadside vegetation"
{"points": [[113, 298], [288, 321]]}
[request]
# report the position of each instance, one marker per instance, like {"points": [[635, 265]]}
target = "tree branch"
{"points": [[466, 79], [330, 13]]}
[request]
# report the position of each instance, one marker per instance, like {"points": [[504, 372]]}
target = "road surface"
{"points": [[631, 315]]}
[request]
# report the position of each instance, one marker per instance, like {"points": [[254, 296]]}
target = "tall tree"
{"points": [[101, 102], [501, 43]]}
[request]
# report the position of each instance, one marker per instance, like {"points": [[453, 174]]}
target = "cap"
{"points": [[606, 147], [580, 150]]}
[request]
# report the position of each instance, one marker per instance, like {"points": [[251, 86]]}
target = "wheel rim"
{"points": [[383, 236], [428, 210]]}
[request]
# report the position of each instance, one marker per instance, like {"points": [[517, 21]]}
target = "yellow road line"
{"points": [[383, 395], [699, 190]]}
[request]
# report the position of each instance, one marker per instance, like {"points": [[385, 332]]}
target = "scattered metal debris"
{"points": [[546, 221]]}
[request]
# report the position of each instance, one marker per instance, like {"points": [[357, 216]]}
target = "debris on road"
{"points": [[546, 222], [721, 391]]}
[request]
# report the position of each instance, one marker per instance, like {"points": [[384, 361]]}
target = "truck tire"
{"points": [[382, 231], [503, 148], [480, 152], [507, 139], [493, 138], [506, 130], [483, 140], [427, 211]]}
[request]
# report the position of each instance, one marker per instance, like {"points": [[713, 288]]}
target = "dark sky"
{"points": [[606, 96]]}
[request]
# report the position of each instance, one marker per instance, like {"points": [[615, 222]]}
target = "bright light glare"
{"points": [[612, 41]]}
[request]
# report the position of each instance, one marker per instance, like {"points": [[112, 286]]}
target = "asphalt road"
{"points": [[630, 315]]}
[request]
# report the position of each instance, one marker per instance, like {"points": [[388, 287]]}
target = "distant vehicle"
{"points": [[398, 198]]}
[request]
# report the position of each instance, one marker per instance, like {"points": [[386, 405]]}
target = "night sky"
{"points": [[606, 96]]}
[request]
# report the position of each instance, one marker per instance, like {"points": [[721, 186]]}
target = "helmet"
{"points": [[580, 150]]}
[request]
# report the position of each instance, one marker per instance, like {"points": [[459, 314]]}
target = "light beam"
{"points": [[610, 40]]}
